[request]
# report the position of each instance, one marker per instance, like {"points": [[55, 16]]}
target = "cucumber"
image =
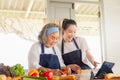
{"points": [[33, 78]]}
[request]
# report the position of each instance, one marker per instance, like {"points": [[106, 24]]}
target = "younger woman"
{"points": [[75, 51]]}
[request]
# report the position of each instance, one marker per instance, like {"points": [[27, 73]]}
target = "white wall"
{"points": [[111, 20]]}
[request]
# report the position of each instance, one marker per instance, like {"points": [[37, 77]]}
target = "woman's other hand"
{"points": [[95, 63], [74, 67], [57, 72]]}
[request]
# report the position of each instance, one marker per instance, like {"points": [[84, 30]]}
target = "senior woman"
{"points": [[44, 54]]}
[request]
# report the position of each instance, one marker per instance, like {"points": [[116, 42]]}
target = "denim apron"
{"points": [[49, 60], [74, 57]]}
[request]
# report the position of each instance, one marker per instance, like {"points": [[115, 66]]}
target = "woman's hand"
{"points": [[95, 63], [44, 69], [57, 72], [91, 59], [74, 67]]}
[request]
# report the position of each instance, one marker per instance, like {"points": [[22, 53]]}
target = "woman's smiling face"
{"points": [[70, 32]]}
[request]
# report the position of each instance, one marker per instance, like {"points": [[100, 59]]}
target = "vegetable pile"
{"points": [[41, 73], [18, 70], [15, 72], [6, 70]]}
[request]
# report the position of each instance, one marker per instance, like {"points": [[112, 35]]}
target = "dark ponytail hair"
{"points": [[67, 22]]}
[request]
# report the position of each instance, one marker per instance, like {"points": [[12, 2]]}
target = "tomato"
{"points": [[17, 78], [48, 75]]}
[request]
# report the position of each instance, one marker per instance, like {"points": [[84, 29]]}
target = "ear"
{"points": [[45, 40], [63, 31]]}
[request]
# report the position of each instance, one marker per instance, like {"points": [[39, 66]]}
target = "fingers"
{"points": [[95, 64], [41, 68], [57, 72], [77, 67], [64, 68], [74, 67]]}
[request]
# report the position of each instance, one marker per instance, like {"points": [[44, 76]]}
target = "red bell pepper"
{"points": [[48, 75], [35, 74]]}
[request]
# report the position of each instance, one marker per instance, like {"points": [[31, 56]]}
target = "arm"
{"points": [[85, 48], [74, 67], [91, 59], [33, 56]]}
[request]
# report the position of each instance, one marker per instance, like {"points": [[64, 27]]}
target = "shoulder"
{"points": [[79, 39], [57, 50], [56, 47], [35, 45], [59, 44], [35, 48], [34, 51]]}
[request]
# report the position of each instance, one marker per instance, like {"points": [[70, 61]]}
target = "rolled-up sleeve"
{"points": [[33, 57]]}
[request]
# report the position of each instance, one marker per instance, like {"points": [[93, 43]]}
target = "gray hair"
{"points": [[42, 35]]}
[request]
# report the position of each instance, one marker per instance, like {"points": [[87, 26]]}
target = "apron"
{"points": [[49, 60], [74, 57]]}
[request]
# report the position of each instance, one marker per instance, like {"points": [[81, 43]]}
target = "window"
{"points": [[87, 17]]}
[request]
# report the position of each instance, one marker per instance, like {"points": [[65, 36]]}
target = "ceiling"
{"points": [[87, 12], [36, 9], [19, 16], [23, 8]]}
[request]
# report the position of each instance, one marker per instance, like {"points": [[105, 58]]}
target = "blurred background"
{"points": [[22, 20]]}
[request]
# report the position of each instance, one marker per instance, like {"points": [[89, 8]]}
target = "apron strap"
{"points": [[42, 49], [75, 43], [54, 50], [62, 47]]}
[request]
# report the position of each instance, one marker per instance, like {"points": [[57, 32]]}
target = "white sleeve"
{"points": [[58, 53], [84, 48], [33, 56], [83, 44]]}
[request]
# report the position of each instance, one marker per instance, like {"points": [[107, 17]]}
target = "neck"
{"points": [[47, 46], [67, 40]]}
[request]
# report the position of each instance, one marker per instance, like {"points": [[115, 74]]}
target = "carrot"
{"points": [[17, 78], [9, 78], [33, 72]]}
